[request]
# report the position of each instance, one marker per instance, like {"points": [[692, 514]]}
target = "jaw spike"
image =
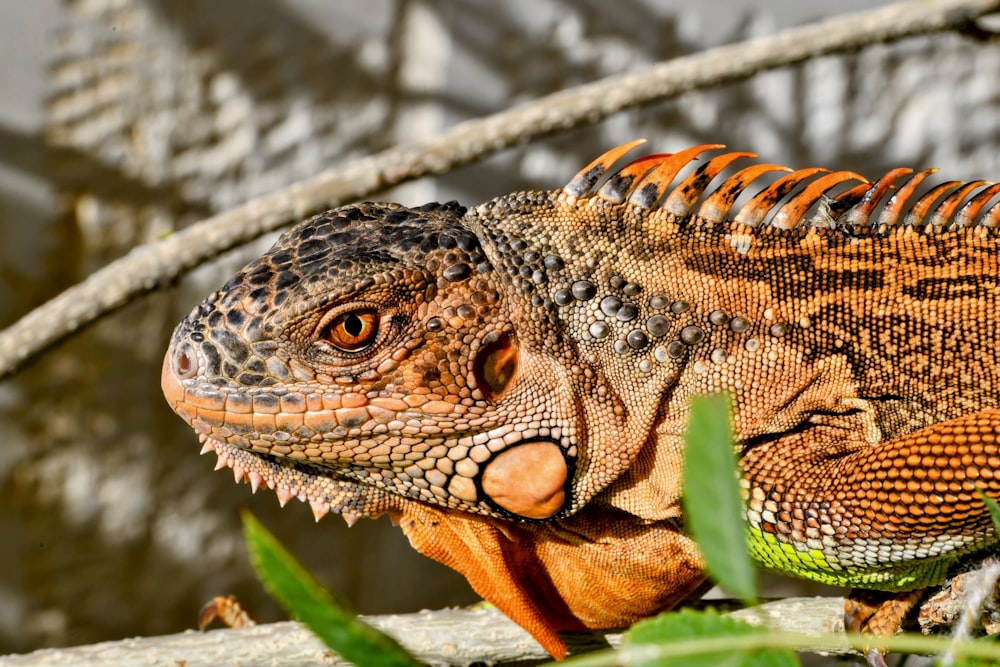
{"points": [[319, 509], [255, 480], [582, 183], [350, 518], [223, 460], [206, 447], [284, 495], [238, 473]]}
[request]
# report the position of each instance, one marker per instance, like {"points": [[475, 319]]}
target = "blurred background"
{"points": [[121, 120]]}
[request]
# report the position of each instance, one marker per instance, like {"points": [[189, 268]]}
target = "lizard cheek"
{"points": [[496, 365], [528, 480]]}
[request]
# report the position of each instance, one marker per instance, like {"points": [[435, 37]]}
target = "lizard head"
{"points": [[373, 355]]}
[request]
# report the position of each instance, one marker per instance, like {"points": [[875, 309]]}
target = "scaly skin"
{"points": [[511, 382]]}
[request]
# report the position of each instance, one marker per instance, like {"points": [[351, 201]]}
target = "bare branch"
{"points": [[453, 637], [151, 265], [447, 637]]}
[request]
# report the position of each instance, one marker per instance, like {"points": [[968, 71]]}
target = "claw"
{"points": [[875, 657], [878, 613], [226, 609]]}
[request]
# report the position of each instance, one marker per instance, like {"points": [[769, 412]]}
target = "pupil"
{"points": [[353, 325]]}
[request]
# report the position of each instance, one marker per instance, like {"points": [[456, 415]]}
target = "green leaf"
{"points": [[713, 508], [303, 598], [993, 507], [688, 624]]}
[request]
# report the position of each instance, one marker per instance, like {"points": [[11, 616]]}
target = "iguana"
{"points": [[510, 382]]}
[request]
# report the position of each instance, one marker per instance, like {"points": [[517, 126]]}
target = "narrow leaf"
{"points": [[713, 508], [688, 624], [306, 600], [993, 507]]}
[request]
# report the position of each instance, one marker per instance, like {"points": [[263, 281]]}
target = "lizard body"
{"points": [[510, 382]]}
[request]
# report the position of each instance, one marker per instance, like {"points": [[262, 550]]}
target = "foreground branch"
{"points": [[453, 637], [448, 637], [148, 266]]}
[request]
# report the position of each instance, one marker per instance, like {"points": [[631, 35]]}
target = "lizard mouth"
{"points": [[529, 481], [295, 479]]}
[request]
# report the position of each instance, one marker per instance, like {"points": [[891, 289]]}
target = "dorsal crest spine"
{"points": [[866, 207]]}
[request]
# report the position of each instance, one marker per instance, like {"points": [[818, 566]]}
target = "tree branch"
{"points": [[151, 265], [446, 638]]}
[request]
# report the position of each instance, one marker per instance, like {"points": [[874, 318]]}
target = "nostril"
{"points": [[185, 362]]}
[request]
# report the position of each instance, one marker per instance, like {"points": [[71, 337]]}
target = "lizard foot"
{"points": [[878, 613], [226, 609]]}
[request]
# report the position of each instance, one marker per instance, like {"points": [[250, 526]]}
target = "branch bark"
{"points": [[444, 638], [463, 637], [151, 265]]}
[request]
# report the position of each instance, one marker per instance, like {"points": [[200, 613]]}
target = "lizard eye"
{"points": [[352, 331]]}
